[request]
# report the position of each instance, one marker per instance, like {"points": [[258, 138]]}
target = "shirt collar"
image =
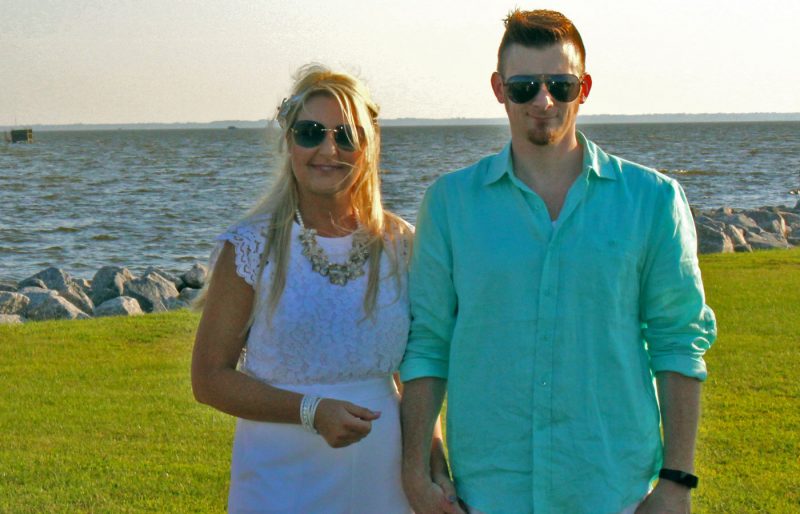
{"points": [[595, 161]]}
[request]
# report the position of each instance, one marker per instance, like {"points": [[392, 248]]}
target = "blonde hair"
{"points": [[281, 200]]}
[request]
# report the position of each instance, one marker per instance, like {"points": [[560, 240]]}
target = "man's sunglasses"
{"points": [[310, 134], [524, 88]]}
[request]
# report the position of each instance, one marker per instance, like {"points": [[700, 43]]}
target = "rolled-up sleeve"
{"points": [[677, 324], [432, 292]]}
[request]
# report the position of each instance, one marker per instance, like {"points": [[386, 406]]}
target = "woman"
{"points": [[308, 297]]}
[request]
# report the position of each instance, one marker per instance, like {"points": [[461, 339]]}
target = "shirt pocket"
{"points": [[601, 273]]}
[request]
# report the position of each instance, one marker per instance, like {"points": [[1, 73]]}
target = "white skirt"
{"points": [[283, 468]]}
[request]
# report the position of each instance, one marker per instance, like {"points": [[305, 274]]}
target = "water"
{"points": [[80, 200]]}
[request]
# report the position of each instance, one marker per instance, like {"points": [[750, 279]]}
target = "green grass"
{"points": [[98, 415]]}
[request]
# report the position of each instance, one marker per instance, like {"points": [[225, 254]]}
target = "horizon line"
{"points": [[407, 119]]}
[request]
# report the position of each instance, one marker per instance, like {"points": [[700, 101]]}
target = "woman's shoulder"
{"points": [[253, 225], [248, 237]]}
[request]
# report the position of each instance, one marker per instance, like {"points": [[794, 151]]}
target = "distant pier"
{"points": [[19, 136]]}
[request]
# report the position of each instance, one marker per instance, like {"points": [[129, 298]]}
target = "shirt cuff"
{"points": [[692, 367], [413, 368]]}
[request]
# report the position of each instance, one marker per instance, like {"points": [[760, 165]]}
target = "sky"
{"points": [[124, 61]]}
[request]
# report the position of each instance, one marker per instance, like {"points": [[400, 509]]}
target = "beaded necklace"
{"points": [[338, 274]]}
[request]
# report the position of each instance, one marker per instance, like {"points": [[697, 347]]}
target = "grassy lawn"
{"points": [[98, 415]]}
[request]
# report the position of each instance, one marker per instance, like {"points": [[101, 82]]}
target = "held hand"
{"points": [[667, 498], [342, 423], [432, 497]]}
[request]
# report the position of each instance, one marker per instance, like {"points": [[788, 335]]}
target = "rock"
{"points": [[11, 319], [59, 280], [737, 238], [151, 270], [195, 277], [32, 282], [119, 306], [8, 285], [188, 294], [765, 240], [711, 239], [152, 290], [13, 303], [85, 285], [792, 220], [797, 206], [173, 304], [737, 219], [51, 305], [109, 282], [768, 220]]}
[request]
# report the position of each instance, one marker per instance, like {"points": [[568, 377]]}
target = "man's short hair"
{"points": [[539, 29]]}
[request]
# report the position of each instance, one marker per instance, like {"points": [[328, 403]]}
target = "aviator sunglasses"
{"points": [[524, 88], [309, 134]]}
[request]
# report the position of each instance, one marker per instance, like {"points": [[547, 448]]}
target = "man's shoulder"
{"points": [[469, 176], [636, 174]]}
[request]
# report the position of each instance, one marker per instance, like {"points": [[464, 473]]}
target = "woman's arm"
{"points": [[216, 382]]}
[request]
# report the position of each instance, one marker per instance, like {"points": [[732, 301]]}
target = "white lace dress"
{"points": [[319, 343]]}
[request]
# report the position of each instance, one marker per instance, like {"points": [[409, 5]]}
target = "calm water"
{"points": [[80, 200]]}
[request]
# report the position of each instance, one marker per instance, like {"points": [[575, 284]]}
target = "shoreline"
{"points": [[114, 291]]}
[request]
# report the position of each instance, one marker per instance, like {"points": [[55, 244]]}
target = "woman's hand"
{"points": [[343, 423]]}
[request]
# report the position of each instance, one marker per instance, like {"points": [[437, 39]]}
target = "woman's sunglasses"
{"points": [[524, 88], [310, 134]]}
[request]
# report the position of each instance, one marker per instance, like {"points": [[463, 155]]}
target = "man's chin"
{"points": [[541, 137]]}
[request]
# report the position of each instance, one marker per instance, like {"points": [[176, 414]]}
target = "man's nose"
{"points": [[543, 98]]}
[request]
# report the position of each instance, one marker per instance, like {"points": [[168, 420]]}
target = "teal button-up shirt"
{"points": [[549, 334]]}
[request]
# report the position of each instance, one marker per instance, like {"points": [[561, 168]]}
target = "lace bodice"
{"points": [[319, 333]]}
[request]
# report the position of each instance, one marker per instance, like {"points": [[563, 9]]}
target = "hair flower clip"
{"points": [[285, 107]]}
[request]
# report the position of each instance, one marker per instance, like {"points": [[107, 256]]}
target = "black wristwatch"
{"points": [[679, 477]]}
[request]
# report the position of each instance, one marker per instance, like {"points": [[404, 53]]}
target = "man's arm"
{"points": [[679, 399], [427, 489], [679, 328]]}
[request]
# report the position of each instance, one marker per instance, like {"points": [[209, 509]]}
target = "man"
{"points": [[550, 284]]}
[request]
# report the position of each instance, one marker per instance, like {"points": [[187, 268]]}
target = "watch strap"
{"points": [[679, 477]]}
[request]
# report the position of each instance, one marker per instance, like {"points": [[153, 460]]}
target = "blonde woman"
{"points": [[306, 317]]}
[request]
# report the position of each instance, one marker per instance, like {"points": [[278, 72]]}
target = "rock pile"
{"points": [[54, 294], [744, 230], [113, 291]]}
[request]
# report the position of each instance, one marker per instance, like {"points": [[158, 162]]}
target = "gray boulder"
{"points": [[176, 281], [61, 281], [738, 240], [188, 294], [109, 282], [11, 319], [174, 304], [769, 220], [195, 277], [712, 239], [792, 221], [32, 282], [765, 240], [50, 305], [85, 285], [152, 291], [13, 303], [119, 306]]}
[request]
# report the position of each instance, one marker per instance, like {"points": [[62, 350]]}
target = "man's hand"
{"points": [[435, 496], [667, 498], [343, 423]]}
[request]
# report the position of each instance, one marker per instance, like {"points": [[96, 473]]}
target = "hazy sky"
{"points": [[121, 61]]}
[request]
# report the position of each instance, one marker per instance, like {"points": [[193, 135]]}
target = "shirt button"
{"points": [[544, 383]]}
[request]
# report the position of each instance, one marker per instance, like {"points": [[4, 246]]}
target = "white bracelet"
{"points": [[308, 410]]}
